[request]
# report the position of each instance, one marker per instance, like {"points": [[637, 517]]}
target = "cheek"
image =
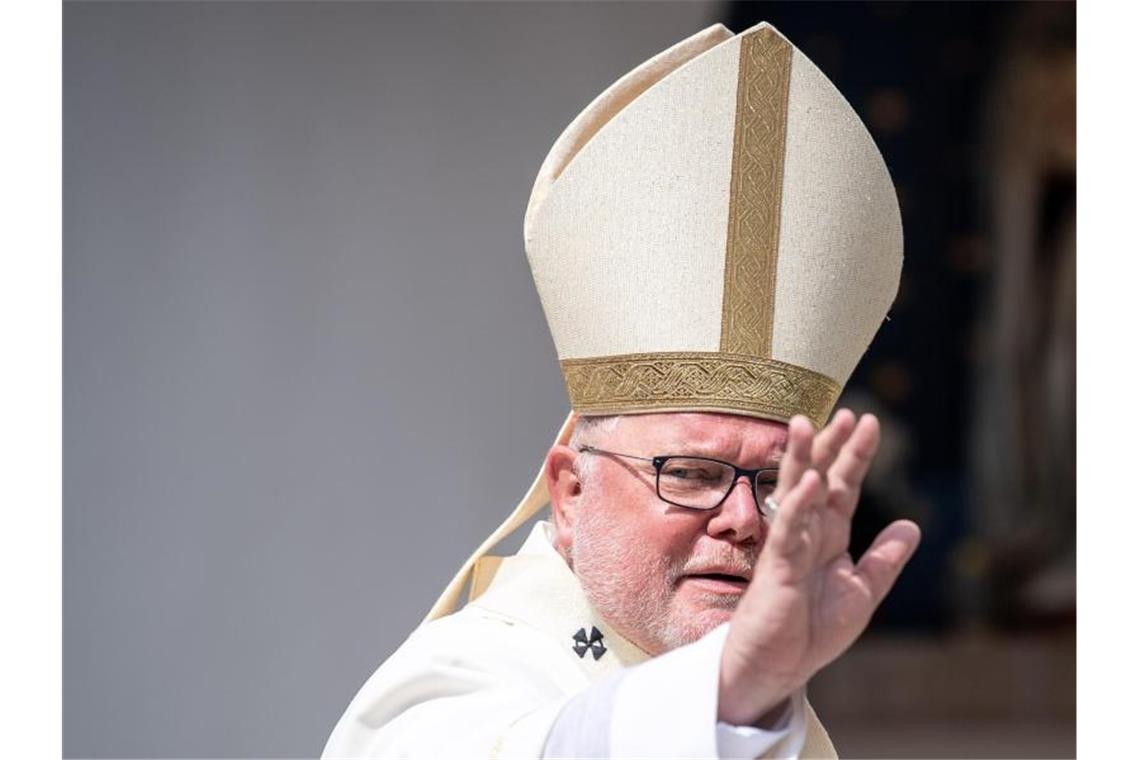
{"points": [[655, 531], [663, 540], [668, 537]]}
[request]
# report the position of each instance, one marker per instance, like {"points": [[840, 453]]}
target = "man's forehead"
{"points": [[708, 433]]}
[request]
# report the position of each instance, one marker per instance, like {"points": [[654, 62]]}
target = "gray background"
{"points": [[305, 367]]}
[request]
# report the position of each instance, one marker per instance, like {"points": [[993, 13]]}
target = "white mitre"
{"points": [[715, 232]]}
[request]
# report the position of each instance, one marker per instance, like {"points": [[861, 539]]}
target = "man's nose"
{"points": [[738, 517]]}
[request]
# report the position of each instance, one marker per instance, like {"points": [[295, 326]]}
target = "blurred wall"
{"points": [[306, 368]]}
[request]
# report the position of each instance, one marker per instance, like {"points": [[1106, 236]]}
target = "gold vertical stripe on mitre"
{"points": [[754, 204]]}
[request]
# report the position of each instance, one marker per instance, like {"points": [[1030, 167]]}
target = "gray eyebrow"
{"points": [[691, 450]]}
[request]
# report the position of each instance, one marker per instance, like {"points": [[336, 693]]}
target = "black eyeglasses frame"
{"points": [[659, 461]]}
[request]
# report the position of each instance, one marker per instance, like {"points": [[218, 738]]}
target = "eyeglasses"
{"points": [[702, 482]]}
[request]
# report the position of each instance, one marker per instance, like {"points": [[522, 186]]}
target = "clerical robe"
{"points": [[529, 670]]}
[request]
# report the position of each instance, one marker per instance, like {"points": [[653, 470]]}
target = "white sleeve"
{"points": [[667, 707]]}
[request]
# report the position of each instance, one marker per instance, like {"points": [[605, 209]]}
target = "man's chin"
{"points": [[693, 602], [710, 617], [692, 622]]}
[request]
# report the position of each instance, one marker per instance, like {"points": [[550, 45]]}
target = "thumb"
{"points": [[881, 564]]}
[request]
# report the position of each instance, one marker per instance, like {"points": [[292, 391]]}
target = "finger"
{"points": [[797, 457], [881, 564], [845, 478], [835, 533], [826, 446], [790, 536]]}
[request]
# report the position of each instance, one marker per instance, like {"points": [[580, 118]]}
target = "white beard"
{"points": [[633, 591]]}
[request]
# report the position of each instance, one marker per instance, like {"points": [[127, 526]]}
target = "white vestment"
{"points": [[507, 677]]}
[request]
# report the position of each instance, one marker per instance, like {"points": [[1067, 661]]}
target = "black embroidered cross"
{"points": [[593, 643]]}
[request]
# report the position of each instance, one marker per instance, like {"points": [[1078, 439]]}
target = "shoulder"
{"points": [[473, 649], [485, 646], [467, 673]]}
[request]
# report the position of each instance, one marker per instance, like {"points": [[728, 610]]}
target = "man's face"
{"points": [[654, 571]]}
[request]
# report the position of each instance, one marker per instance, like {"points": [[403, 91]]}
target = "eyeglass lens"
{"points": [[703, 484]]}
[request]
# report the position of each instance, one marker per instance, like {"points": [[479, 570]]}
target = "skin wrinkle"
{"points": [[630, 550]]}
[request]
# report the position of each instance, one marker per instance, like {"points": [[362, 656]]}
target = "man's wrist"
{"points": [[775, 719], [766, 717], [743, 701]]}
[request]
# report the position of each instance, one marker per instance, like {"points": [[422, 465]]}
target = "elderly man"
{"points": [[715, 240]]}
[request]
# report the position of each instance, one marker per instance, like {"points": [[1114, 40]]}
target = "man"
{"points": [[715, 240]]}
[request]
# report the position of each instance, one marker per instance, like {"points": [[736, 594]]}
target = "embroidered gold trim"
{"points": [[698, 380], [757, 184]]}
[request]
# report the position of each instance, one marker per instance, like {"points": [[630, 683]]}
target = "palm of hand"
{"points": [[808, 600]]}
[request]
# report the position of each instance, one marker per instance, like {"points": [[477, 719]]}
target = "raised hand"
{"points": [[808, 601]]}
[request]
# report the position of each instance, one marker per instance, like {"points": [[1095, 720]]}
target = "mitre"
{"points": [[716, 231]]}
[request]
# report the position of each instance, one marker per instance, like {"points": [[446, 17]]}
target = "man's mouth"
{"points": [[726, 581]]}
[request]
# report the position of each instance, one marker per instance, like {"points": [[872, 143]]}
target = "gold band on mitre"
{"points": [[696, 381]]}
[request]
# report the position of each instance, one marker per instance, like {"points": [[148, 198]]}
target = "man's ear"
{"points": [[565, 494]]}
